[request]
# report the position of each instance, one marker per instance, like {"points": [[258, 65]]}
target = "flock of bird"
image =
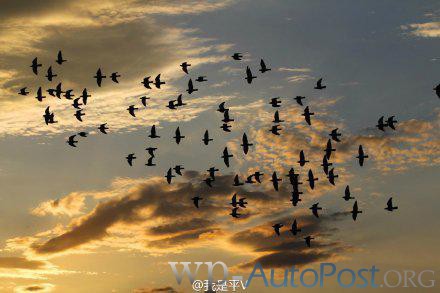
{"points": [[256, 177]]}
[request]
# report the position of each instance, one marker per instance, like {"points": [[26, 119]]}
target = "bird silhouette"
{"points": [[276, 118], [50, 75], [180, 102], [69, 94], [437, 90], [275, 102], [131, 109], [212, 171], [263, 67], [391, 122], [361, 156], [114, 76], [78, 114], [277, 228], [307, 114], [85, 96], [226, 127], [355, 211], [23, 91], [60, 59], [49, 117], [347, 196], [153, 133], [177, 136], [237, 181], [335, 135], [185, 66], [390, 206], [249, 77], [191, 88], [158, 82], [226, 118], [83, 134], [103, 128], [295, 197], [130, 158], [99, 77], [315, 208], [299, 99], [40, 96], [275, 180], [150, 162], [196, 200], [311, 179], [294, 228], [258, 176], [178, 169], [302, 159], [221, 107], [146, 82], [319, 85], [275, 129], [35, 66], [325, 164], [151, 151], [144, 100], [237, 56], [208, 181], [206, 138], [201, 79], [329, 149], [234, 213], [71, 141], [76, 104], [245, 144], [169, 175], [226, 157], [171, 105], [331, 176], [381, 124], [308, 240]]}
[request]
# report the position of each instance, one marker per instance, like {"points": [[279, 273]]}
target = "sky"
{"points": [[82, 220]]}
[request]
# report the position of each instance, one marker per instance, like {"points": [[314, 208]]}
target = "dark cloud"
{"points": [[34, 288], [167, 289], [20, 263]]}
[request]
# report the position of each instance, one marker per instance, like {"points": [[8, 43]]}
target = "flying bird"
{"points": [[335, 135], [49, 118], [191, 88], [71, 141], [295, 197], [277, 228], [158, 82], [146, 82], [299, 100], [209, 181], [391, 122], [325, 164], [329, 149], [76, 104], [144, 100], [249, 77], [201, 79], [196, 200], [84, 96], [319, 85], [237, 181], [150, 162], [263, 67], [315, 208], [185, 66], [302, 159], [355, 211], [347, 196], [331, 176], [153, 133], [307, 115], [82, 134], [169, 175], [178, 169], [437, 90], [390, 206], [151, 151], [212, 171], [226, 157], [226, 118], [234, 213], [78, 114], [114, 76], [275, 180], [361, 156], [130, 159], [226, 127], [23, 91], [381, 125], [245, 144], [221, 107], [237, 56], [35, 66], [275, 102], [177, 136], [99, 77], [311, 179], [206, 138], [40, 96], [275, 129], [308, 240], [131, 109], [69, 94], [103, 128], [180, 101], [257, 176], [276, 118], [294, 228], [50, 75], [171, 105]]}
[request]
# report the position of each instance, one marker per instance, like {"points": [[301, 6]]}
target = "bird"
{"points": [[150, 162], [275, 102], [212, 171], [35, 66], [103, 128], [226, 157], [169, 175], [276, 118], [153, 133], [185, 66], [249, 179], [71, 141], [275, 180], [263, 67], [308, 240], [331, 176], [355, 211], [177, 136], [380, 124], [82, 134], [275, 129], [58, 90], [60, 59], [114, 76], [277, 228], [295, 197], [144, 100], [302, 159], [196, 200], [329, 149], [315, 208], [180, 102], [201, 79], [130, 158], [151, 151], [221, 107], [209, 181], [437, 90], [237, 181], [226, 127], [234, 213], [191, 88], [23, 91], [49, 118], [335, 135], [171, 105], [294, 228], [237, 56], [158, 82], [319, 85], [84, 96], [347, 196], [361, 156], [99, 77], [69, 94], [76, 104], [245, 144], [257, 176], [249, 77], [146, 82], [311, 179], [50, 75], [391, 121], [307, 115], [178, 169], [325, 164], [242, 202], [78, 114], [293, 178], [299, 100], [131, 109], [40, 96], [390, 206], [226, 118], [206, 138]]}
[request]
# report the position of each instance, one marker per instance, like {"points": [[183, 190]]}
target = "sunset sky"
{"points": [[82, 220]]}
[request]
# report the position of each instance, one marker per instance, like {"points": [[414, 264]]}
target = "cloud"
{"points": [[41, 288], [299, 78], [294, 69], [20, 263], [425, 30], [167, 289]]}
